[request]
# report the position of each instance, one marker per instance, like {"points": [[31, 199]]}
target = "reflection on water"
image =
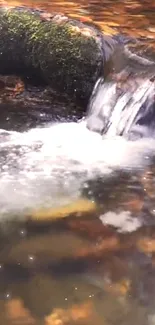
{"points": [[96, 265]]}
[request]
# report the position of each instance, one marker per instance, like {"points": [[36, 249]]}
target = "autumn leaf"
{"points": [[118, 288], [77, 314], [146, 245], [17, 313]]}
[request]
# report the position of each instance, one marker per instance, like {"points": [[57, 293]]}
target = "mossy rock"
{"points": [[66, 54]]}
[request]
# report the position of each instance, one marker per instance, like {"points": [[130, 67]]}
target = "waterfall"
{"points": [[120, 104], [50, 165]]}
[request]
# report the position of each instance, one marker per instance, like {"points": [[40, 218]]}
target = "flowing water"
{"points": [[94, 260], [122, 111]]}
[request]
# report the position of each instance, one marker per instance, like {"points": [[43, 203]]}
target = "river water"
{"points": [[77, 209]]}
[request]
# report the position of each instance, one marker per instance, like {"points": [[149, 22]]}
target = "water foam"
{"points": [[116, 107], [49, 166]]}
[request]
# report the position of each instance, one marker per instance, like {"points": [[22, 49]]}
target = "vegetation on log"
{"points": [[66, 54]]}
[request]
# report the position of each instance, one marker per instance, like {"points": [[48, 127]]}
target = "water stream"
{"points": [[45, 166], [116, 109], [95, 267]]}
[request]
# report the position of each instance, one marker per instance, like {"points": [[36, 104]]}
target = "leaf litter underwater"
{"points": [[98, 264], [77, 219], [95, 263]]}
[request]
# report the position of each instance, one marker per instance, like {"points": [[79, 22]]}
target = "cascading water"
{"points": [[49, 166], [118, 109]]}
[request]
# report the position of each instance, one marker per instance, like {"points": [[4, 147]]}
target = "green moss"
{"points": [[60, 55]]}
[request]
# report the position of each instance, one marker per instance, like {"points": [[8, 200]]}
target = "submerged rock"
{"points": [[77, 208]]}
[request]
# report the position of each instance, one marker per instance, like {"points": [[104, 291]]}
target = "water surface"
{"points": [[98, 264]]}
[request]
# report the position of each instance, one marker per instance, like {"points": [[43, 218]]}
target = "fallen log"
{"points": [[66, 54]]}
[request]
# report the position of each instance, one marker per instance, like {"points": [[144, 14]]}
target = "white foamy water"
{"points": [[114, 109], [123, 221], [49, 166]]}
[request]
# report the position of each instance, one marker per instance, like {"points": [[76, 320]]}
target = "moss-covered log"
{"points": [[66, 54]]}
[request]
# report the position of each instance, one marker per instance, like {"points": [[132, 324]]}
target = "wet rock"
{"points": [[92, 228], [64, 53], [143, 54], [148, 182], [23, 106], [111, 276], [120, 191], [45, 250], [134, 204], [43, 293], [102, 248], [117, 311]]}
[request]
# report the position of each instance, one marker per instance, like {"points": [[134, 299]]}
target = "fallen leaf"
{"points": [[105, 28], [18, 314], [151, 29], [82, 18], [119, 288], [146, 245], [19, 88], [75, 16], [112, 24], [77, 314]]}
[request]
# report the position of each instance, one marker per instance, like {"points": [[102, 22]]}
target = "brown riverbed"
{"points": [[63, 266], [133, 17]]}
